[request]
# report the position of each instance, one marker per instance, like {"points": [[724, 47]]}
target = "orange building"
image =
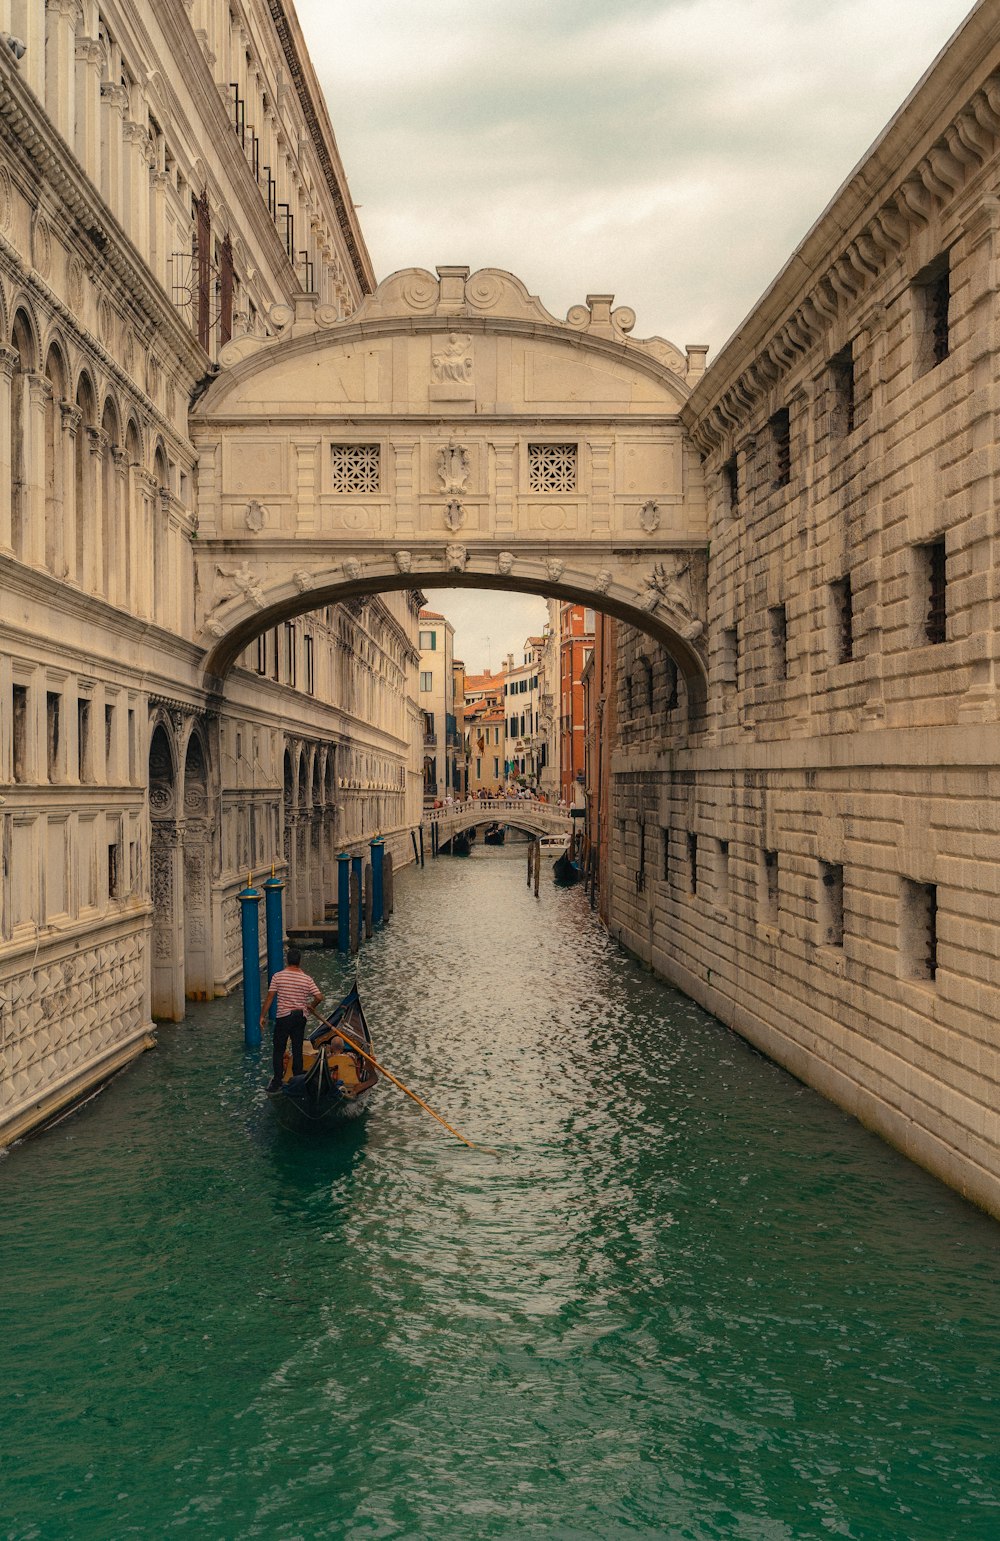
{"points": [[576, 643], [601, 718]]}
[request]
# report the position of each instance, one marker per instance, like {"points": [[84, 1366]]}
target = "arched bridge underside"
{"points": [[451, 432]]}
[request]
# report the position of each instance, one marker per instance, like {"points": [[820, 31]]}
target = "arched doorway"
{"points": [[166, 881]]}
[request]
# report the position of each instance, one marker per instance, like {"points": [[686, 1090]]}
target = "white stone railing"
{"points": [[523, 812]]}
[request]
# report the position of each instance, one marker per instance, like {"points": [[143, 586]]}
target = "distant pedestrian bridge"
{"points": [[516, 812]]}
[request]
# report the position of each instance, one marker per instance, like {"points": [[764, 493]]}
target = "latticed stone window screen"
{"points": [[552, 467], [355, 468]]}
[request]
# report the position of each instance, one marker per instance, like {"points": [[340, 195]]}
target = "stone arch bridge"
{"points": [[451, 432], [522, 813]]}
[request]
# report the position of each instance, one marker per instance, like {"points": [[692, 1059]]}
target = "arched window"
{"points": [[23, 343]]}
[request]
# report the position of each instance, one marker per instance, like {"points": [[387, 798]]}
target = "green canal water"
{"points": [[689, 1300]]}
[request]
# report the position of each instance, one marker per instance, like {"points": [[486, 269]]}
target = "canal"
{"points": [[689, 1300]]}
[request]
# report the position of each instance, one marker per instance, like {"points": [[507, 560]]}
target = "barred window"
{"points": [[552, 467], [355, 467]]}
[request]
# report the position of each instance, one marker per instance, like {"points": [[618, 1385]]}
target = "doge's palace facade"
{"points": [[169, 180]]}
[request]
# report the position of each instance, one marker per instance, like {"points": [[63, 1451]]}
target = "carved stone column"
{"points": [[87, 136], [135, 208], [147, 490], [8, 364], [60, 64], [159, 181], [114, 102], [39, 395], [95, 553], [72, 547], [120, 569]]}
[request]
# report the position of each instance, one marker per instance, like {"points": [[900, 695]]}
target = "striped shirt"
{"points": [[293, 990]]}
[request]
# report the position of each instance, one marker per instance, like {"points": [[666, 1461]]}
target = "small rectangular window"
{"points": [[731, 485], [692, 850], [53, 702], [842, 620], [781, 447], [109, 741], [934, 575], [831, 904], [20, 726], [920, 929], [83, 772], [354, 468], [291, 654], [428, 641], [552, 467], [131, 747], [426, 679], [931, 315], [275, 655], [640, 871], [113, 872], [843, 381], [665, 855], [769, 894], [262, 653], [309, 665], [722, 872], [778, 620]]}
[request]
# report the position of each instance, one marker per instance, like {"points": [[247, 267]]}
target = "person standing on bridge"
{"points": [[296, 993]]}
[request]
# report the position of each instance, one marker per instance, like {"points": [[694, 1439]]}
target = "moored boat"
{"points": [[565, 871], [494, 834], [553, 845], [460, 844], [336, 1081]]}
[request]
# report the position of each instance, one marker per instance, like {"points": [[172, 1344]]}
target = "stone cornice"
{"points": [[932, 149], [48, 160], [317, 120]]}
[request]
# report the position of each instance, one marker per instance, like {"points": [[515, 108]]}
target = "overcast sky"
{"points": [[673, 152]]}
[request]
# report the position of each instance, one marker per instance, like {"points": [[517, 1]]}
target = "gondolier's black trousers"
{"points": [[291, 1028]]}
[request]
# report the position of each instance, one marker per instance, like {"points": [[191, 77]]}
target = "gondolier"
{"points": [[296, 993]]}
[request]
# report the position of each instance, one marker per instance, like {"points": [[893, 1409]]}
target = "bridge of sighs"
{"points": [[451, 432]]}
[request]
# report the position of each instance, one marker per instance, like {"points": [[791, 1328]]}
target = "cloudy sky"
{"points": [[672, 152]]}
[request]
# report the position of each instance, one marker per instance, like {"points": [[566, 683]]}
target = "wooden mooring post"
{"points": [[369, 901], [538, 864], [387, 879]]}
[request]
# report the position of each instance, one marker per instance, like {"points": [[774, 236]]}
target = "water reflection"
{"points": [[687, 1299]]}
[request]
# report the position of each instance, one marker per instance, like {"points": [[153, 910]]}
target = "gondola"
{"points": [[460, 844], [336, 1082], [494, 834], [565, 871]]}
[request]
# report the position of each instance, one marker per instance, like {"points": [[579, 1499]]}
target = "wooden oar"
{"points": [[356, 1048]]}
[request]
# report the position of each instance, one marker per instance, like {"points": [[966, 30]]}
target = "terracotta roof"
{"points": [[430, 615]]}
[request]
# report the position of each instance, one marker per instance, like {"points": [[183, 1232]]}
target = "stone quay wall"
{"points": [[819, 864]]}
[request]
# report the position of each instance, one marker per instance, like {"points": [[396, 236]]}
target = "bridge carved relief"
{"points": [[451, 432]]}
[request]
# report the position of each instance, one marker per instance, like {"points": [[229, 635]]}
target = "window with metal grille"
{"points": [[831, 904], [844, 392], [672, 686], [935, 580], [552, 467], [931, 314], [842, 608], [781, 447], [731, 485], [355, 468], [722, 871], [769, 893], [778, 618], [665, 855], [692, 845], [920, 929]]}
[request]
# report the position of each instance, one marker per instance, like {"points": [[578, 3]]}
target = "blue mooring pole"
{"points": [[343, 902], [249, 898], [378, 891], [275, 931], [356, 865]]}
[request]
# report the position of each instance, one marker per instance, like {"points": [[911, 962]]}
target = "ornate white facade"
{"points": [[168, 182]]}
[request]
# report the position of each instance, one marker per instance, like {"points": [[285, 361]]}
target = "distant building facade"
{"points": [[576, 641], [437, 705]]}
